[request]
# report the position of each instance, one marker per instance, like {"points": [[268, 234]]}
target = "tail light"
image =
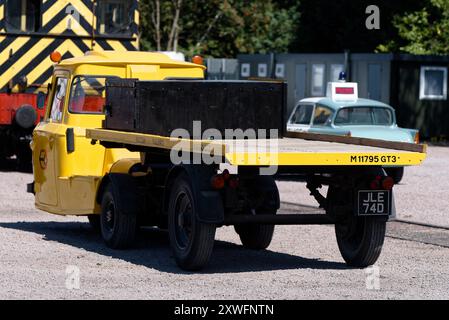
{"points": [[234, 182], [375, 184], [384, 183], [387, 183], [416, 138], [218, 182]]}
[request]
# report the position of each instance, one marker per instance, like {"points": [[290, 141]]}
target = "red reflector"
{"points": [[374, 185], [234, 183], [388, 183], [218, 182], [344, 90]]}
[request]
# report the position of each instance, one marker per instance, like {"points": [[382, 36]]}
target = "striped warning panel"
{"points": [[68, 26]]}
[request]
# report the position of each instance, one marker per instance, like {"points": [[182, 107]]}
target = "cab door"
{"points": [[45, 137]]}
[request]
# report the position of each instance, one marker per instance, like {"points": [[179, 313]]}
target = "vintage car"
{"points": [[341, 112]]}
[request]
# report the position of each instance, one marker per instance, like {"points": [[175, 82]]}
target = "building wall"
{"points": [[431, 117]]}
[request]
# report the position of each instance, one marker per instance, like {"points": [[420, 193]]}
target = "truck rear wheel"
{"points": [[118, 229], [192, 242], [360, 239], [255, 236]]}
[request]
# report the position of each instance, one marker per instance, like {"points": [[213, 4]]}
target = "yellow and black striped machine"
{"points": [[30, 30]]}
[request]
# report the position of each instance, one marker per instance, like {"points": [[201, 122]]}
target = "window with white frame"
{"points": [[280, 70], [336, 69], [433, 83], [262, 70], [318, 72], [245, 70]]}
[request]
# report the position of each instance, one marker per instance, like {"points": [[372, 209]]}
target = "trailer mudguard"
{"points": [[125, 191], [209, 202]]}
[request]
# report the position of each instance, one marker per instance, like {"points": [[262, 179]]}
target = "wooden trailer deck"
{"points": [[304, 150]]}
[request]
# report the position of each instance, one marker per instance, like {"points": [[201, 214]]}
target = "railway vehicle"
{"points": [[30, 30]]}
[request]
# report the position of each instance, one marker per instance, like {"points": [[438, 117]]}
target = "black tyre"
{"points": [[255, 236], [396, 173], [94, 221], [191, 241], [360, 239], [118, 229]]}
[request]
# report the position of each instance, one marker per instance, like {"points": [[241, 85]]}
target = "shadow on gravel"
{"points": [[12, 165], [152, 250]]}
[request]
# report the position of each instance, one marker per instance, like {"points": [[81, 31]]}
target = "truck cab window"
{"points": [[23, 15], [57, 105], [114, 16], [88, 95]]}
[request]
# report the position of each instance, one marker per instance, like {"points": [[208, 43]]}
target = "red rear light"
{"points": [[375, 184], [387, 183], [234, 183], [217, 182]]}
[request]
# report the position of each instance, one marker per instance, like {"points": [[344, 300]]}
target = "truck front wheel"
{"points": [[192, 242], [360, 239], [118, 229]]}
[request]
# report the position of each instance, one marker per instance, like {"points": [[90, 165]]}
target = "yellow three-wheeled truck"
{"points": [[120, 144]]}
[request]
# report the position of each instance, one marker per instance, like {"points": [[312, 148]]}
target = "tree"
{"points": [[221, 28], [425, 31], [160, 19], [336, 25]]}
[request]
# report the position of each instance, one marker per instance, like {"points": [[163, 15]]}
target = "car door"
{"points": [[45, 138], [301, 118]]}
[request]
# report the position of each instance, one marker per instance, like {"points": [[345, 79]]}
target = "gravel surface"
{"points": [[303, 262]]}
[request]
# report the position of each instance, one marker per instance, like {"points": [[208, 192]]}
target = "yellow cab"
{"points": [[67, 168]]}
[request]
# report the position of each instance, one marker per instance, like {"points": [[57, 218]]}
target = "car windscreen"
{"points": [[364, 116]]}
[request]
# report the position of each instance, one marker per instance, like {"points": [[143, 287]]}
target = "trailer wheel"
{"points": [[255, 236], [118, 229], [360, 239], [192, 242]]}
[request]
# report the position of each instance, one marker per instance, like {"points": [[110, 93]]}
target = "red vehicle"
{"points": [[30, 30], [19, 113]]}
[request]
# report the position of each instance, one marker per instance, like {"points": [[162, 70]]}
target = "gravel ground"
{"points": [[303, 262]]}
